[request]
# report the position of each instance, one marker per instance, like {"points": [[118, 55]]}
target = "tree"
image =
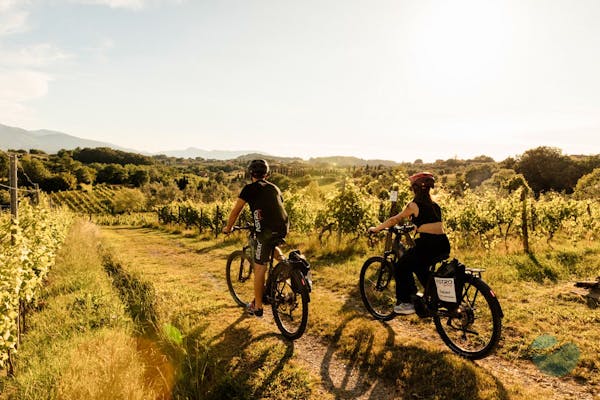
{"points": [[35, 171], [160, 194], [59, 182], [112, 173], [106, 155], [545, 169], [3, 164], [282, 181], [588, 186], [128, 200], [476, 174], [139, 176], [85, 174], [349, 209]]}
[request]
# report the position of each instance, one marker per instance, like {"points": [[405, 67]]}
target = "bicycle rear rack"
{"points": [[475, 271]]}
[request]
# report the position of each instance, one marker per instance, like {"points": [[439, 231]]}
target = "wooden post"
{"points": [[525, 232], [217, 219], [13, 187], [393, 211], [339, 232], [36, 195], [15, 215]]}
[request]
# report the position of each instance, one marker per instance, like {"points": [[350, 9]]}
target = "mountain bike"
{"points": [[466, 312], [288, 285]]}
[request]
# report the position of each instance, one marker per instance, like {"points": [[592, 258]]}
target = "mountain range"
{"points": [[12, 138]]}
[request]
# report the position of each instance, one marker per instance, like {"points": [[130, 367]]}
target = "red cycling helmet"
{"points": [[423, 179]]}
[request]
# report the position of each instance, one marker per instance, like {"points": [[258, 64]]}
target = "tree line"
{"points": [[544, 169]]}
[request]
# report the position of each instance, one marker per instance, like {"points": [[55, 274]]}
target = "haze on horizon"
{"points": [[394, 79]]}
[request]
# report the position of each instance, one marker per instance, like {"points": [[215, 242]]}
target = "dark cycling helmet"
{"points": [[258, 168], [422, 179]]}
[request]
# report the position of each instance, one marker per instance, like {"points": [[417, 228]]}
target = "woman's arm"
{"points": [[410, 209]]}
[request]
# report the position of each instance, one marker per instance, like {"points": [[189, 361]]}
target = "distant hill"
{"points": [[345, 161], [45, 140], [193, 152], [256, 155]]}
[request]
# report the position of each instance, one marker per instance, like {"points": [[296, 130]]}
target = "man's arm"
{"points": [[233, 215]]}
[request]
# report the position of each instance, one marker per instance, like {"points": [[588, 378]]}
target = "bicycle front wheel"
{"points": [[473, 329], [239, 277], [378, 288], [290, 304]]}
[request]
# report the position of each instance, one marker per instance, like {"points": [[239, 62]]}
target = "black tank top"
{"points": [[428, 212]]}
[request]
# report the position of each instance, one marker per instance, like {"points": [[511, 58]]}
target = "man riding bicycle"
{"points": [[270, 222]]}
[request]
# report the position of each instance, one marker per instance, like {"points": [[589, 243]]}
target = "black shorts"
{"points": [[264, 245]]}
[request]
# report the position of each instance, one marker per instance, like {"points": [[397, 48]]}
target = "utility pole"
{"points": [[13, 186]]}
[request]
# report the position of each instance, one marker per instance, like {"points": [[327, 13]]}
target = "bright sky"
{"points": [[388, 79]]}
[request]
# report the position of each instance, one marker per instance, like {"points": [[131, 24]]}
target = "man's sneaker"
{"points": [[257, 312], [404, 308]]}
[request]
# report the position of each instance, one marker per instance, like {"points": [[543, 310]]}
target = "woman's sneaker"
{"points": [[404, 308], [257, 312]]}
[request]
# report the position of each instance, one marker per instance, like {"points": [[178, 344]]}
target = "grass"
{"points": [[80, 343], [237, 347], [538, 297], [177, 318]]}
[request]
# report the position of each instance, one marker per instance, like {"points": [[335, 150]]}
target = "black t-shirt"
{"points": [[266, 205]]}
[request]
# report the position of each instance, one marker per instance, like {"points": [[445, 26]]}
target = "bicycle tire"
{"points": [[238, 273], [290, 300], [472, 330], [378, 288]]}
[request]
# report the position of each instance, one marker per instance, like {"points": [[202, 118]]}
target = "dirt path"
{"points": [[166, 259]]}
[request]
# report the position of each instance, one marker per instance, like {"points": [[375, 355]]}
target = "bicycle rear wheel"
{"points": [[239, 277], [473, 329], [378, 288], [290, 303]]}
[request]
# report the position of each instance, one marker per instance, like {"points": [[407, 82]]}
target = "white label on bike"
{"points": [[445, 289], [394, 195]]}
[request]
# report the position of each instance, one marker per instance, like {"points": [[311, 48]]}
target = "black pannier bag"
{"points": [[449, 280], [298, 261]]}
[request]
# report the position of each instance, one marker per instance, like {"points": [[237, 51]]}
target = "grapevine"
{"points": [[28, 248]]}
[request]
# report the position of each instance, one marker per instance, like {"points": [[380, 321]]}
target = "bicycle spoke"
{"points": [[473, 329], [290, 308], [377, 288], [239, 274]]}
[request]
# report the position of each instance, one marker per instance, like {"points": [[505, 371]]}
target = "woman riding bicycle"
{"points": [[431, 242]]}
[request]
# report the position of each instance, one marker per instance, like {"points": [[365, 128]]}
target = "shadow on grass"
{"points": [[233, 364], [376, 364], [533, 270], [138, 295]]}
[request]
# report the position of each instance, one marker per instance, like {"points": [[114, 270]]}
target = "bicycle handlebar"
{"points": [[241, 228], [405, 228]]}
